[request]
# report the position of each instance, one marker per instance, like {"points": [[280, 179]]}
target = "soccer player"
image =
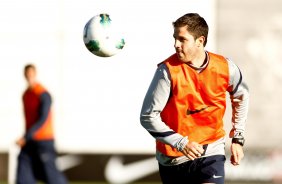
{"points": [[184, 107], [36, 160]]}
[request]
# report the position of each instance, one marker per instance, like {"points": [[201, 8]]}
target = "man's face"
{"points": [[30, 76], [185, 44]]}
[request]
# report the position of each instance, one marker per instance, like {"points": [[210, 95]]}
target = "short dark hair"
{"points": [[196, 25], [29, 66]]}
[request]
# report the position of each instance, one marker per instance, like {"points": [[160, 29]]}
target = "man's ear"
{"points": [[200, 41]]}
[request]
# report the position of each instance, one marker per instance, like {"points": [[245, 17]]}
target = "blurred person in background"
{"points": [[37, 158], [185, 104]]}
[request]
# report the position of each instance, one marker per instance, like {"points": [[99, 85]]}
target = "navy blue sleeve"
{"points": [[44, 108]]}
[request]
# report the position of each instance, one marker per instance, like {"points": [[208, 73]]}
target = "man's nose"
{"points": [[176, 44]]}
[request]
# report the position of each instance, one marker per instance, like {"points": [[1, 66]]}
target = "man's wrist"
{"points": [[182, 143], [239, 139]]}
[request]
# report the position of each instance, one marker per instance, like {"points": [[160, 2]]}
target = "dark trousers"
{"points": [[36, 162], [202, 170]]}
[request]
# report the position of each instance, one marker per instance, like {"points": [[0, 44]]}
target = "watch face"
{"points": [[240, 141]]}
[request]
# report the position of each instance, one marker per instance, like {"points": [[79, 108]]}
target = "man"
{"points": [[36, 160], [185, 104]]}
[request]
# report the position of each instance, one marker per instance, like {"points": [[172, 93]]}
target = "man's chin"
{"points": [[180, 57]]}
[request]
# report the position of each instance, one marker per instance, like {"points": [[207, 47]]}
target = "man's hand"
{"points": [[21, 142], [193, 150], [236, 154]]}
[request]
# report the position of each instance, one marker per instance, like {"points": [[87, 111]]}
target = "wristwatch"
{"points": [[239, 139]]}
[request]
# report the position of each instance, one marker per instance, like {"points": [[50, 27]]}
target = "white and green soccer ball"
{"points": [[101, 37]]}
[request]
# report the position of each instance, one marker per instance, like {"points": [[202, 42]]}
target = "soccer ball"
{"points": [[101, 37]]}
